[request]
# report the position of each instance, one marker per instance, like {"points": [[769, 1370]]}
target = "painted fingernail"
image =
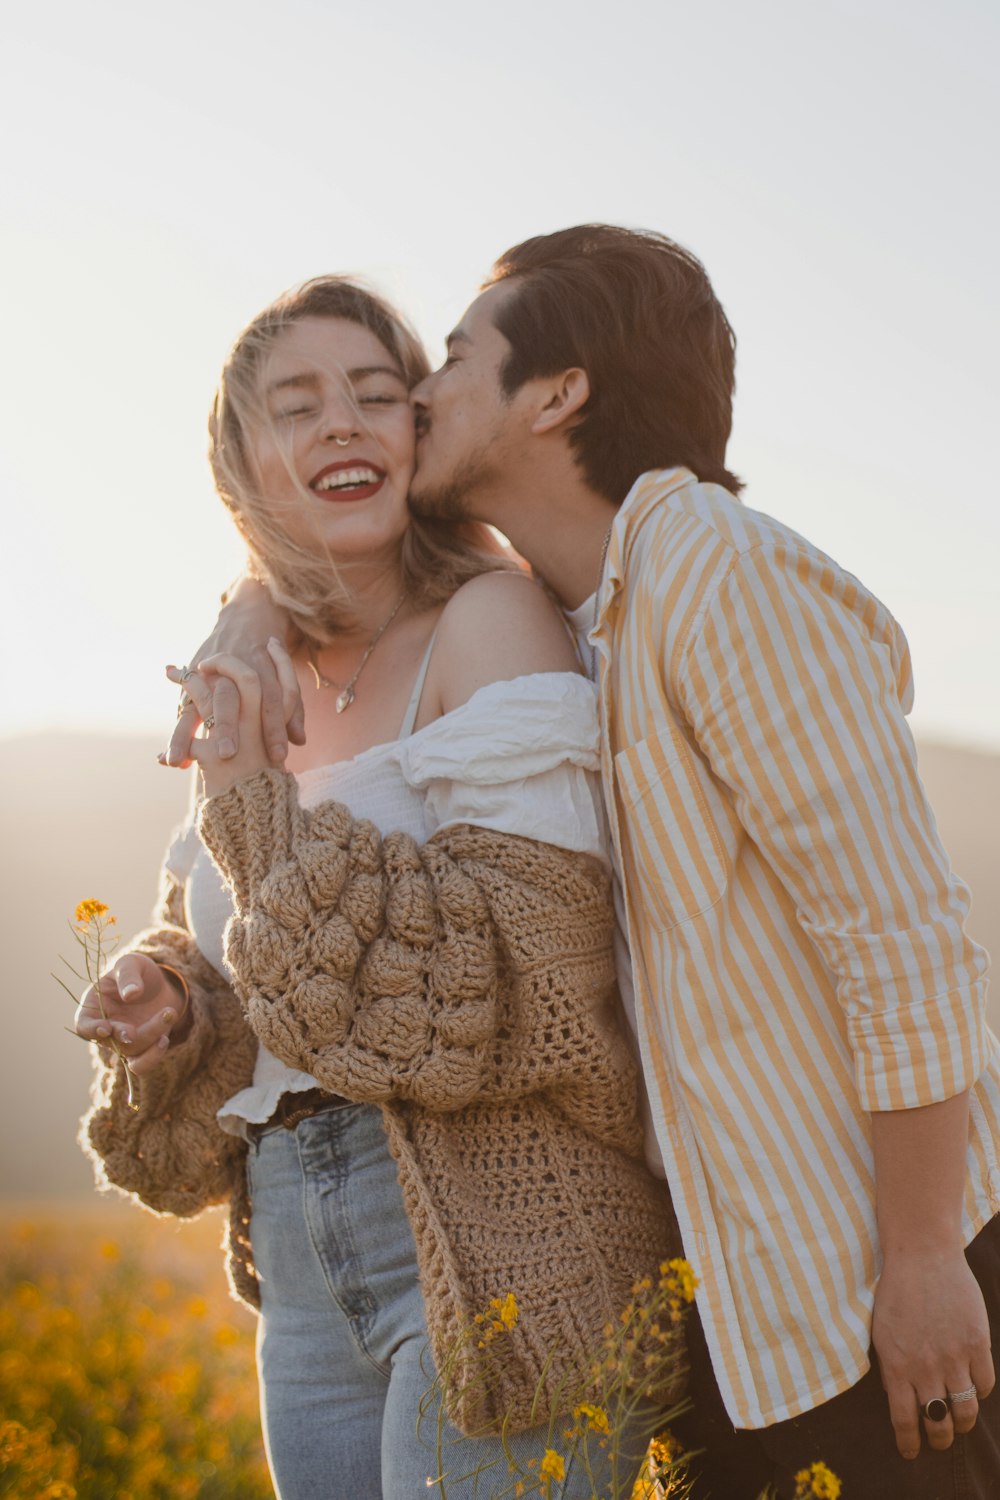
{"points": [[163, 1043], [130, 989], [125, 1039], [167, 1017], [226, 748], [103, 1033]]}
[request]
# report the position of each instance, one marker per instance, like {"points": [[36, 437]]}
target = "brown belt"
{"points": [[292, 1109]]}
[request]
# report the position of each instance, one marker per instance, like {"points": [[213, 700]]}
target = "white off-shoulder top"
{"points": [[519, 756]]}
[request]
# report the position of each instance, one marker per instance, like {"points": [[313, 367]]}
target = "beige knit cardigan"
{"points": [[467, 987]]}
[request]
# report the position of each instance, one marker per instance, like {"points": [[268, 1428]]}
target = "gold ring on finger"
{"points": [[970, 1395]]}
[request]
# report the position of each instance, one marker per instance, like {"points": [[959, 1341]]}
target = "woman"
{"points": [[432, 1106]]}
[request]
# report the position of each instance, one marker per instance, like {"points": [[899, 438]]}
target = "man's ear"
{"points": [[566, 394]]}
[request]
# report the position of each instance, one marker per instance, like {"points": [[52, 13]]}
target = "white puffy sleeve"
{"points": [[521, 757]]}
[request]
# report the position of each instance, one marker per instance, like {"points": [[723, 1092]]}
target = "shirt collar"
{"points": [[642, 499]]}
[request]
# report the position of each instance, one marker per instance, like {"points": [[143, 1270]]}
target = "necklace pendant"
{"points": [[344, 699]]}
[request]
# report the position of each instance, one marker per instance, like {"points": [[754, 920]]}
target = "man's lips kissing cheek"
{"points": [[349, 480]]}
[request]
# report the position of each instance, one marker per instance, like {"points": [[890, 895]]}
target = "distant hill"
{"points": [[90, 816]]}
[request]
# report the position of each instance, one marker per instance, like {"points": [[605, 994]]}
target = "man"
{"points": [[810, 1015]]}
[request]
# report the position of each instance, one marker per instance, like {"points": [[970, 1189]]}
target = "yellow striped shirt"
{"points": [[796, 932]]}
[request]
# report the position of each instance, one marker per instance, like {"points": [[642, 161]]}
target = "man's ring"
{"points": [[209, 721], [936, 1409], [186, 672], [970, 1395]]}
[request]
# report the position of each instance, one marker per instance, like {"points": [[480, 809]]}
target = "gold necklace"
{"points": [[345, 694]]}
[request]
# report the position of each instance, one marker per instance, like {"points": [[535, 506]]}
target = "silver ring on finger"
{"points": [[970, 1395], [936, 1409], [209, 721], [186, 672]]}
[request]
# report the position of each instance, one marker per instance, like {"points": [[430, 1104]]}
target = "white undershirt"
{"points": [[581, 621]]}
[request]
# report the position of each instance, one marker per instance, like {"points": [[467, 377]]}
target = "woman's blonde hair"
{"points": [[437, 557]]}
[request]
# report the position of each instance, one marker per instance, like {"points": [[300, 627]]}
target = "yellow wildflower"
{"points": [[501, 1314], [507, 1310], [90, 911], [817, 1483], [552, 1466], [12, 1441], [596, 1416], [665, 1449], [678, 1276]]}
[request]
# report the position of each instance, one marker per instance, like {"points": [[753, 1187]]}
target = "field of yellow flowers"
{"points": [[125, 1369], [127, 1372]]}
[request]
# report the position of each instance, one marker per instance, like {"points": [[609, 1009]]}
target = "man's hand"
{"points": [[929, 1325], [932, 1336], [242, 630], [136, 1006]]}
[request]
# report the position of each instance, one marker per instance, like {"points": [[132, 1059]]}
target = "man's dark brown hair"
{"points": [[638, 313]]}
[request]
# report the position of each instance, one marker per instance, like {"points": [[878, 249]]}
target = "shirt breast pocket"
{"points": [[672, 846]]}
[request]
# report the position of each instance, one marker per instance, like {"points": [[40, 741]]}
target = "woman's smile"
{"points": [[348, 480]]}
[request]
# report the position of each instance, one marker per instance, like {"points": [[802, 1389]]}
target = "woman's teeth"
{"points": [[345, 479]]}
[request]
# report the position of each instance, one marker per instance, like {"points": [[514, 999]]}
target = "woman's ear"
{"points": [[565, 396]]}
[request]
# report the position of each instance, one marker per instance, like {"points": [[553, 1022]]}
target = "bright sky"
{"points": [[172, 168]]}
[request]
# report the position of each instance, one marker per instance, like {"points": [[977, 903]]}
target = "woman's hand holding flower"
{"points": [[136, 1006]]}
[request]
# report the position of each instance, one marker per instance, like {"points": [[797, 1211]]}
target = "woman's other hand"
{"points": [[219, 773], [245, 623], [137, 1007]]}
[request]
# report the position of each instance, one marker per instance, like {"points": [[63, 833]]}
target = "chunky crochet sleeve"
{"points": [[476, 965], [170, 1152]]}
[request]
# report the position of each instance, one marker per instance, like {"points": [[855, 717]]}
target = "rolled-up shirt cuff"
{"points": [[919, 1054]]}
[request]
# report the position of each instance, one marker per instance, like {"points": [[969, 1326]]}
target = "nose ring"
{"points": [[342, 442]]}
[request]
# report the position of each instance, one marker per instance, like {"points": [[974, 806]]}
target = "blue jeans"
{"points": [[345, 1366]]}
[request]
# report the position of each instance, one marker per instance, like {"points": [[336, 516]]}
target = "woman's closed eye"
{"points": [[378, 388], [288, 412]]}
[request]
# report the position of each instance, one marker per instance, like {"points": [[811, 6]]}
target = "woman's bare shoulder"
{"points": [[495, 627]]}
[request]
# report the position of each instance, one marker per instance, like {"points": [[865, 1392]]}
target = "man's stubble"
{"points": [[453, 498]]}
